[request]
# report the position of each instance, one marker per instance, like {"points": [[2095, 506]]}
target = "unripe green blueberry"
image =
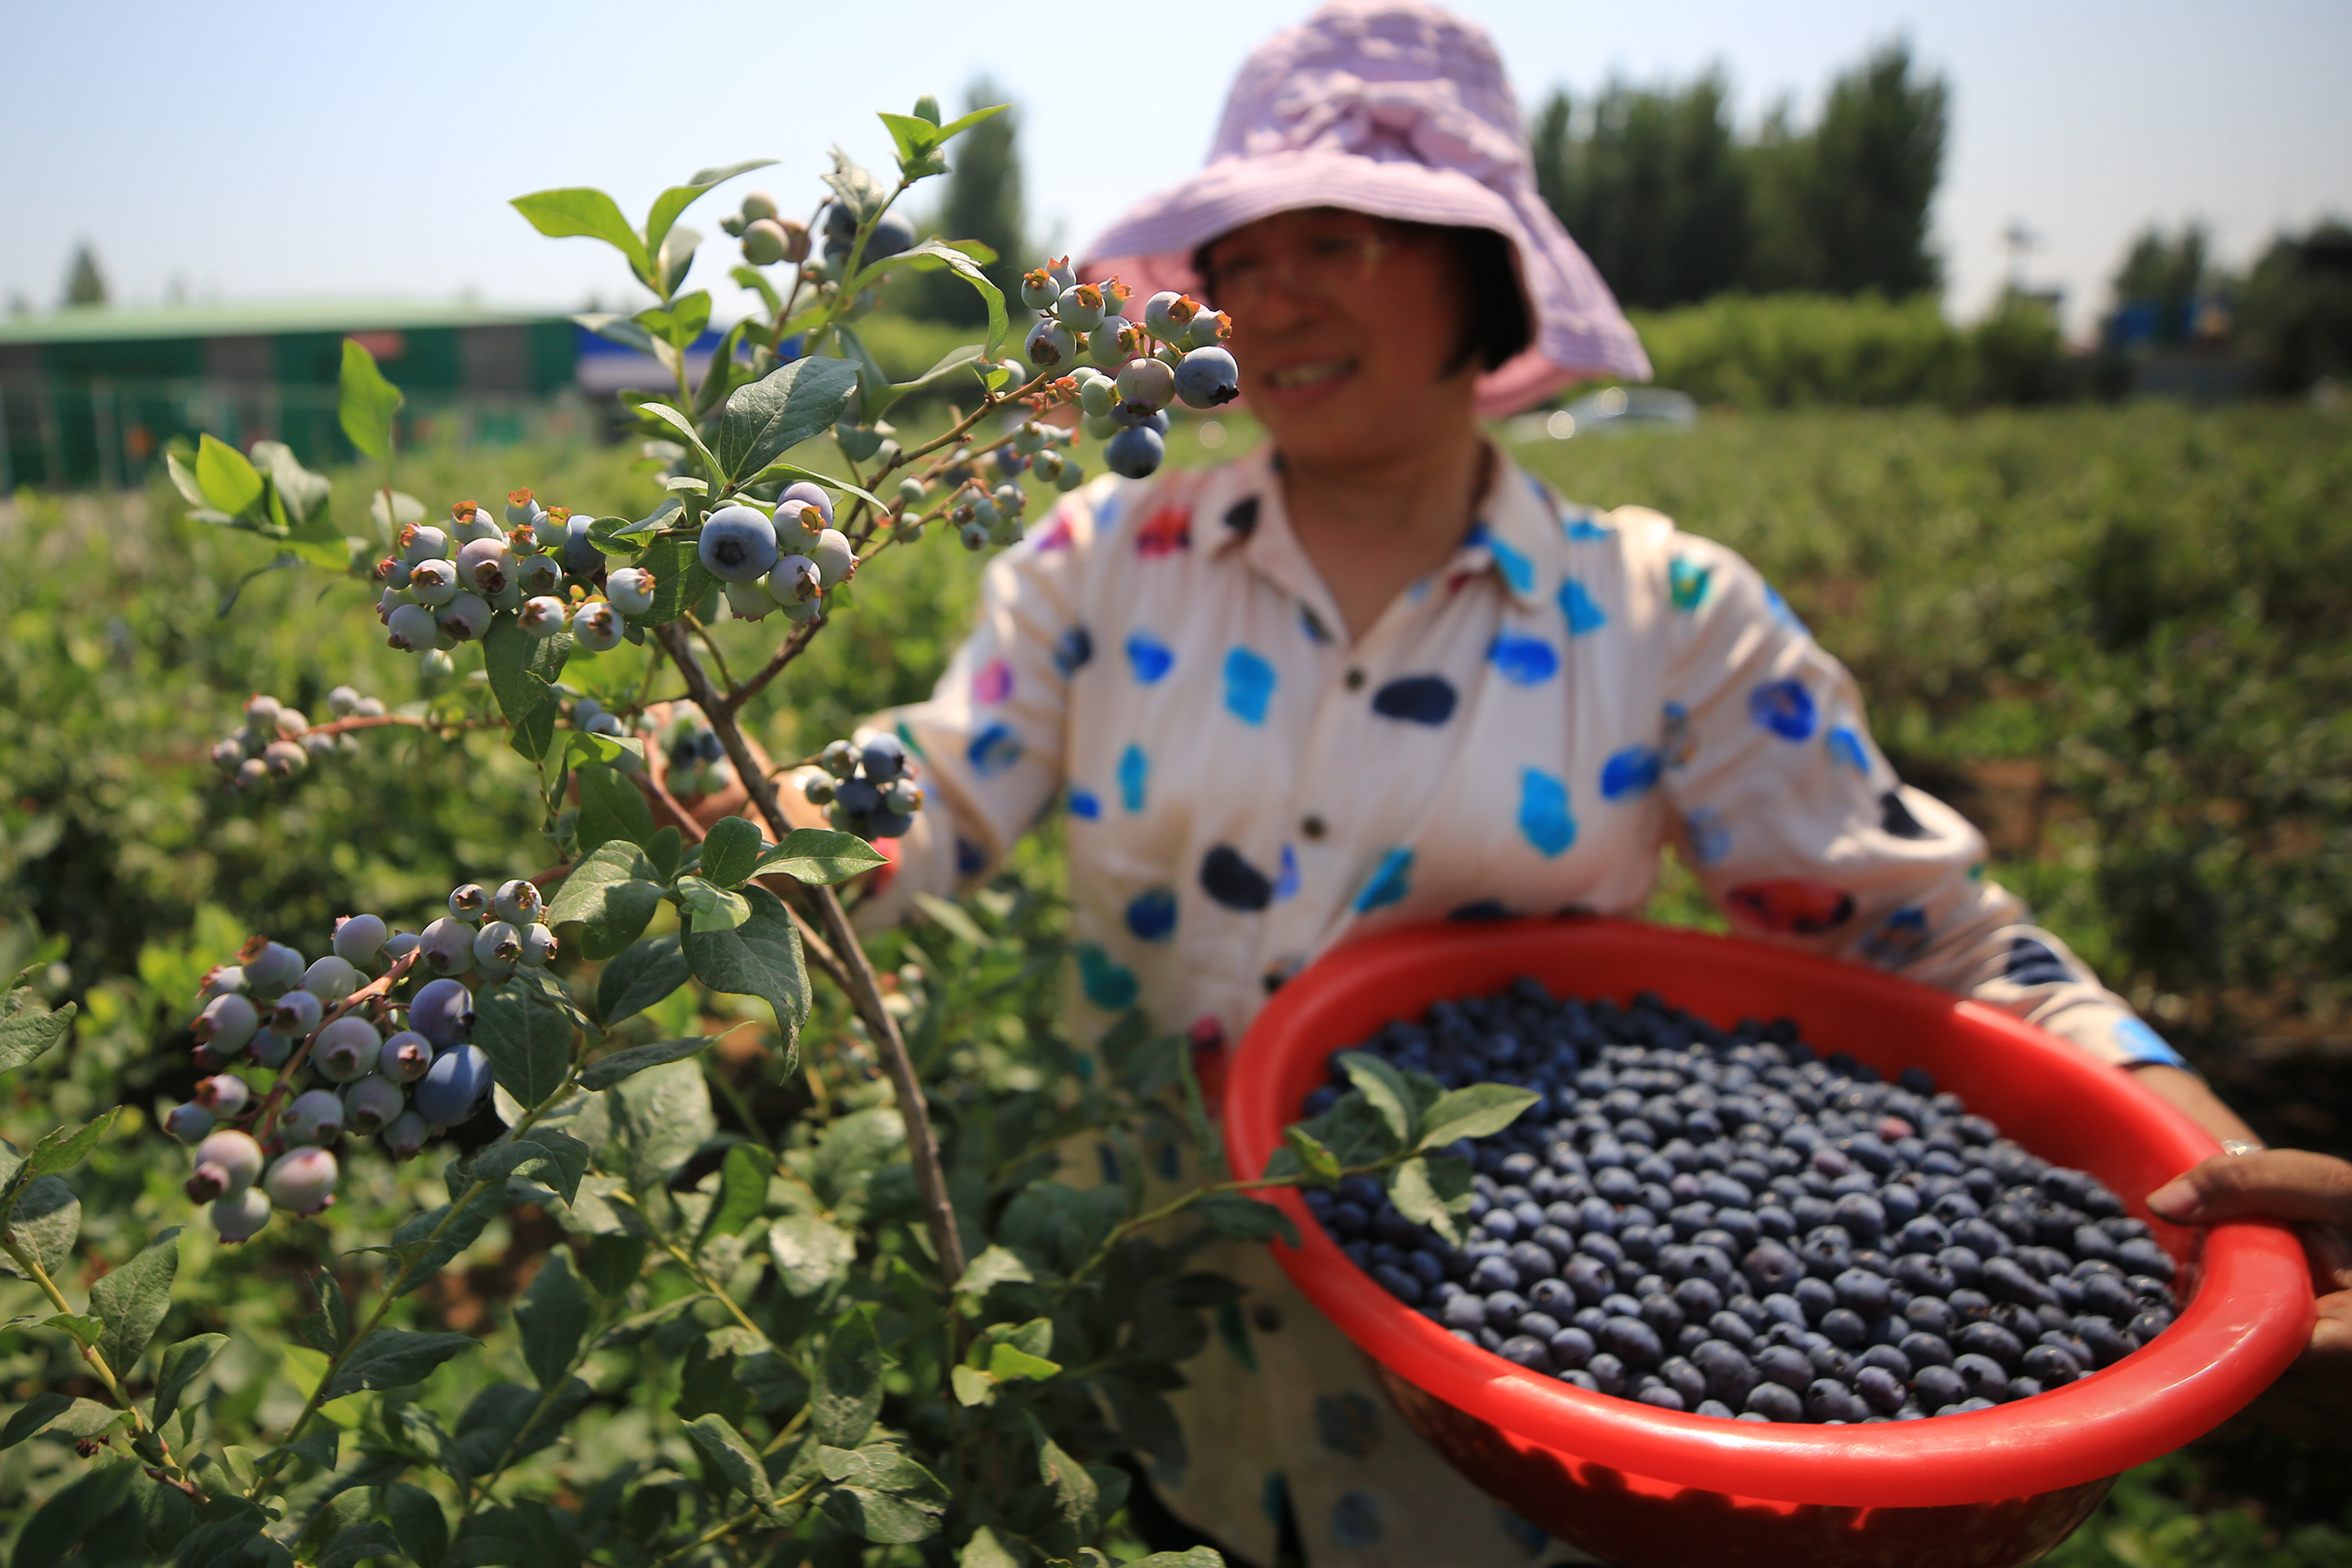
{"points": [[302, 1180], [759, 205], [839, 759], [190, 1123], [297, 1014], [1167, 314], [221, 980], [1071, 477], [235, 1157], [370, 708], [1047, 466], [433, 583], [239, 1216], [902, 796], [1113, 343], [421, 542], [748, 601], [630, 589], [1038, 289], [1010, 499], [1050, 344], [464, 618], [539, 946], [314, 1117], [227, 754], [316, 745], [804, 612], [269, 1048], [1081, 307], [370, 1102], [223, 1094], [731, 225], [596, 626], [519, 901], [226, 1024], [911, 492], [359, 938], [404, 1057], [405, 1135], [346, 1049], [331, 978], [765, 243], [436, 667], [1145, 385], [252, 776], [539, 575], [543, 616], [343, 701], [816, 789], [471, 521], [284, 759], [835, 562], [497, 946], [469, 901], [261, 711], [290, 723], [523, 509], [411, 628], [795, 580], [1102, 426], [447, 947], [974, 536], [253, 738]]}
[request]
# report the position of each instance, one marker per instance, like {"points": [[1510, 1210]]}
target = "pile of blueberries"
{"points": [[870, 787], [400, 1071], [442, 586], [1137, 370], [786, 561], [277, 742], [1720, 1222]]}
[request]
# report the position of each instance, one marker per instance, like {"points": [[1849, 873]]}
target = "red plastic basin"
{"points": [[1642, 1486]]}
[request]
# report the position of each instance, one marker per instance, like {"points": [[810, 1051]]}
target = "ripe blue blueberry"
{"points": [[1208, 378], [455, 1084], [738, 544], [190, 1123], [1135, 453]]}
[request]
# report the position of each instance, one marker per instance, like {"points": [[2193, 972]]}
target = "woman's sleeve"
{"points": [[988, 743], [1802, 834]]}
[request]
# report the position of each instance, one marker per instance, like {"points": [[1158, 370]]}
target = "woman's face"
{"points": [[1344, 326]]}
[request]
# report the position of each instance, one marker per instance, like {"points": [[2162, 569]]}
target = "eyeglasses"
{"points": [[1320, 267]]}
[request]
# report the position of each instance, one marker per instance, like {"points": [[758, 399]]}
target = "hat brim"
{"points": [[1579, 331]]}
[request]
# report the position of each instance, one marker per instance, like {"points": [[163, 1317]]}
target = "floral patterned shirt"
{"points": [[1520, 732]]}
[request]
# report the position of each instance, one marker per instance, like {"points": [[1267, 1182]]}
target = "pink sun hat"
{"points": [[1400, 109]]}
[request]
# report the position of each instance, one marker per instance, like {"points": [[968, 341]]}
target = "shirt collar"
{"points": [[1516, 535]]}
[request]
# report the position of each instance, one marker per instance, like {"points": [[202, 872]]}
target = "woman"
{"points": [[1379, 675]]}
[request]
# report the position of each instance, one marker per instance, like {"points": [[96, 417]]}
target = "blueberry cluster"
{"points": [[590, 715], [870, 787], [786, 561], [697, 760], [442, 586], [1718, 1222], [988, 498], [1135, 370], [343, 1052], [277, 741]]}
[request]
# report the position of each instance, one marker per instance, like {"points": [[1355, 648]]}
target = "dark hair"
{"points": [[1495, 328]]}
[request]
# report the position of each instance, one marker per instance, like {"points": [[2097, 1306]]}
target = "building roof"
{"points": [[94, 324]]}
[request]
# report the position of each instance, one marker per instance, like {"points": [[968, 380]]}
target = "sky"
{"points": [[250, 152]]}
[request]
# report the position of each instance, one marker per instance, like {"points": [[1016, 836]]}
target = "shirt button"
{"points": [[1355, 680], [1311, 825]]}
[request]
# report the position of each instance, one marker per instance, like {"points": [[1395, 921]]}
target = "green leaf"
{"points": [[606, 1071], [532, 736], [62, 1150], [677, 199], [367, 403], [133, 1299], [1006, 1362], [45, 1222], [417, 1524], [1311, 1153], [577, 211], [653, 408], [355, 1544], [551, 1318], [811, 1254], [181, 1363], [80, 1325], [612, 891], [681, 322], [818, 856], [971, 1385], [618, 329], [680, 580], [419, 1259], [1431, 1192], [28, 1028], [523, 668], [761, 958], [733, 1458], [986, 1548], [230, 483], [951, 919], [795, 404], [881, 1494], [1073, 1492], [393, 1358], [956, 360], [1473, 1112], [528, 1041], [32, 1415], [863, 196], [743, 1190], [328, 1326], [611, 808], [542, 1154], [963, 122], [793, 473], [997, 1266], [1245, 1218], [731, 851], [848, 1393], [1385, 1087], [874, 390], [933, 254], [709, 907], [659, 1117]]}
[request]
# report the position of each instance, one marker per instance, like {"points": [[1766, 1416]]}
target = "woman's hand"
{"points": [[2313, 1400]]}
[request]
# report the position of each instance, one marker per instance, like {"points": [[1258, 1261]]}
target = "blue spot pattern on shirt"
{"points": [[1109, 985], [970, 859], [1152, 914], [1312, 624], [1584, 530], [1845, 746], [1086, 804], [1106, 514], [1249, 685], [1528, 1534], [1168, 1161], [1631, 772], [1134, 777], [1286, 877], [1150, 657], [1108, 1159], [1897, 938], [2031, 962], [906, 739], [1481, 910], [1356, 1521], [2142, 1044], [1073, 651], [994, 751], [1233, 881], [1584, 614], [1783, 707], [1687, 582], [1516, 569], [1545, 819], [1523, 660], [1241, 516], [1348, 1424], [1416, 699], [1709, 835], [1896, 820], [1391, 880], [1781, 611]]}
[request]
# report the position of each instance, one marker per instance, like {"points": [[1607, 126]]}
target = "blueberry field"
{"points": [[2119, 640]]}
